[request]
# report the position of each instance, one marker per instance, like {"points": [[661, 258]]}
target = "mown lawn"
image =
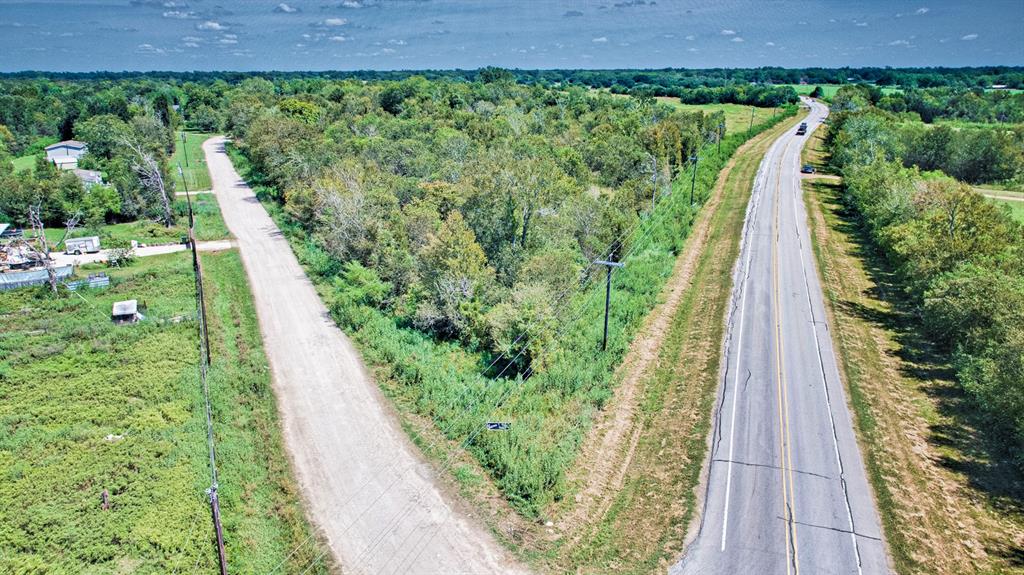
{"points": [[196, 175], [24, 163], [88, 407]]}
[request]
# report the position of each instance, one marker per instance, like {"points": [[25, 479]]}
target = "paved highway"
{"points": [[787, 491]]}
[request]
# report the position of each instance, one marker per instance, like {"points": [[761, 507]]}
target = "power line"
{"points": [[512, 389]]}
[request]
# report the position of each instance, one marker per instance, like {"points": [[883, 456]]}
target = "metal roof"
{"points": [[67, 143], [127, 307]]}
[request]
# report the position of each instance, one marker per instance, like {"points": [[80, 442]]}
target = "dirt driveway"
{"points": [[366, 488]]}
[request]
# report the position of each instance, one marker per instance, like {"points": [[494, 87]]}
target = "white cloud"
{"points": [[211, 25], [149, 49], [191, 45], [337, 39], [769, 43], [737, 39], [395, 42], [600, 40], [899, 43], [352, 4], [862, 24], [228, 41], [727, 32], [191, 39], [969, 37], [691, 49], [283, 8], [691, 37], [922, 10], [335, 22], [179, 14]]}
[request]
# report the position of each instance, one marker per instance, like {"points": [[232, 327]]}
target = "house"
{"points": [[125, 312], [65, 154], [89, 177]]}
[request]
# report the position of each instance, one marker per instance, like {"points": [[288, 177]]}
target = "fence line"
{"points": [[204, 366]]}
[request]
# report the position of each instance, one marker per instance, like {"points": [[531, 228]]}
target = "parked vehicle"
{"points": [[807, 169], [79, 246]]}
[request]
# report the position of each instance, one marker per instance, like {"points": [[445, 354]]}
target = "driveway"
{"points": [[366, 488]]}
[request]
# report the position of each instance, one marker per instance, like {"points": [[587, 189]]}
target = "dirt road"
{"points": [[366, 488]]}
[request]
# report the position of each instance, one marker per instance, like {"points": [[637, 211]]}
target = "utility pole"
{"points": [[188, 197], [751, 118], [184, 149], [721, 129], [654, 182], [607, 296], [693, 182]]}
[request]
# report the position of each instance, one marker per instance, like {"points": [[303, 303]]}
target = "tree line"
{"points": [[958, 256]]}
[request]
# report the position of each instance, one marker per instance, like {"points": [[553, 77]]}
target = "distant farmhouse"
{"points": [[65, 154]]}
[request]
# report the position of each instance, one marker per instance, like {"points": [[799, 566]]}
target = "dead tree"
{"points": [[41, 248], [148, 170]]}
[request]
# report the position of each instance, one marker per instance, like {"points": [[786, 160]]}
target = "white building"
{"points": [[65, 154]]}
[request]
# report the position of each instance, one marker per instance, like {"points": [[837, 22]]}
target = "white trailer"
{"points": [[79, 246]]}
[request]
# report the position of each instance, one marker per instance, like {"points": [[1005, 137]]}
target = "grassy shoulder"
{"points": [[190, 145], [949, 501], [643, 523], [88, 408]]}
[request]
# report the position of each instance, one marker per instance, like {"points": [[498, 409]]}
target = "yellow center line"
{"points": [[785, 435]]}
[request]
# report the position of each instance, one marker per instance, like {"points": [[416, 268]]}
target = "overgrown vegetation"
{"points": [[90, 410], [457, 217], [959, 257]]}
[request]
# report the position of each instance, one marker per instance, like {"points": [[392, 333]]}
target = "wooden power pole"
{"points": [[607, 296]]}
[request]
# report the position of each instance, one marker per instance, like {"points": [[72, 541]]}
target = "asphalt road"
{"points": [[377, 504], [786, 488]]}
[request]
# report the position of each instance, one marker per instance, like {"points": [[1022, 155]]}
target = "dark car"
{"points": [[807, 169]]}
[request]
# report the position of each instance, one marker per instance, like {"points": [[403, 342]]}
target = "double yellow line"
{"points": [[785, 437]]}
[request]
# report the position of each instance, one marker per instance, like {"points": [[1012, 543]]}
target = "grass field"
{"points": [[829, 90], [24, 163], [87, 407], [196, 175], [737, 117], [209, 226], [1016, 208], [949, 500]]}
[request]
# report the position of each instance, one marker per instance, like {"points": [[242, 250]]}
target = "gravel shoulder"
{"points": [[376, 503]]}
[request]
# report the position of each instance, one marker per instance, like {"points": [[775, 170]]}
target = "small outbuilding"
{"points": [[125, 312], [89, 177]]}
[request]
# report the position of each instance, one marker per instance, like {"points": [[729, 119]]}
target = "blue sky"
{"points": [[411, 34]]}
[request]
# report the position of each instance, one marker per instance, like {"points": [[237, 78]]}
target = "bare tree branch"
{"points": [[148, 169]]}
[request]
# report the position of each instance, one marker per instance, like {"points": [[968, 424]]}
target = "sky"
{"points": [[179, 35]]}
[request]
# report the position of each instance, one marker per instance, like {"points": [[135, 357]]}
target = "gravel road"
{"points": [[367, 489]]}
